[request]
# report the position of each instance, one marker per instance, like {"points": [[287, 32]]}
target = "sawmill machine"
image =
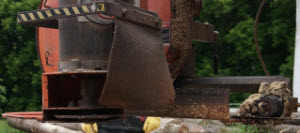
{"points": [[105, 59]]}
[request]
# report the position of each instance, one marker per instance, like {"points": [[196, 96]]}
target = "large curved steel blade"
{"points": [[138, 74]]}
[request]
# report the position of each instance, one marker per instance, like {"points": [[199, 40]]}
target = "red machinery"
{"points": [[76, 70], [99, 67]]}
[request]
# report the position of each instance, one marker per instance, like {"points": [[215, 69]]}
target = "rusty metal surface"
{"points": [[235, 84], [68, 114], [193, 103], [293, 104], [138, 72]]}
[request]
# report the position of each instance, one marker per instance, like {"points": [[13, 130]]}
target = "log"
{"points": [[34, 126], [72, 126], [176, 128]]}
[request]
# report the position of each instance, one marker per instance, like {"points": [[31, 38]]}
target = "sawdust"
{"points": [[249, 108], [280, 89], [181, 35], [276, 88]]}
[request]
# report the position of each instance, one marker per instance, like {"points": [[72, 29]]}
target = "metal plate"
{"points": [[235, 84], [193, 103], [138, 73]]}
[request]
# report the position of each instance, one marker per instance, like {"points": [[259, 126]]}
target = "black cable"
{"points": [[255, 38], [44, 4]]}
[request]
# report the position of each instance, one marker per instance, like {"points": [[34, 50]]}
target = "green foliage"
{"points": [[5, 128], [2, 96], [235, 22], [18, 67], [236, 49], [237, 97], [240, 128]]}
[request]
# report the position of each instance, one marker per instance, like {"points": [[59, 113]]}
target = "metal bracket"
{"points": [[192, 103]]}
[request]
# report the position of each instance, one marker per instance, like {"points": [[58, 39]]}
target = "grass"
{"points": [[216, 126], [240, 128], [234, 128], [5, 128]]}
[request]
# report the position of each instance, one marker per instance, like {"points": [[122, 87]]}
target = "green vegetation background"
{"points": [[20, 88]]}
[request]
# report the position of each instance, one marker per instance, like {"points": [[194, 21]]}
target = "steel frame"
{"points": [[247, 84], [59, 89], [192, 101]]}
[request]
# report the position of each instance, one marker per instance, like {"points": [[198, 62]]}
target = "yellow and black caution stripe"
{"points": [[49, 17], [57, 13]]}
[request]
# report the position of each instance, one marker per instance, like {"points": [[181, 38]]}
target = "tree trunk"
{"points": [[34, 126]]}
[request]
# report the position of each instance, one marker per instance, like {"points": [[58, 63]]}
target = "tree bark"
{"points": [[34, 126], [72, 126]]}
